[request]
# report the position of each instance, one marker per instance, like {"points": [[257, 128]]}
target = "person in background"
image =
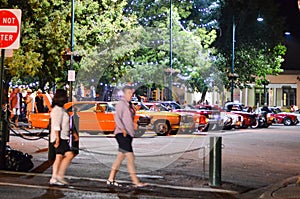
{"points": [[29, 103], [39, 102], [15, 104], [60, 138], [97, 98], [124, 133]]}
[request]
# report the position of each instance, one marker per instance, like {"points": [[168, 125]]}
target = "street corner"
{"points": [[286, 189], [15, 184]]}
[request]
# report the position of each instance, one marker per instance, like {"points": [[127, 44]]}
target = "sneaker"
{"points": [[55, 182]]}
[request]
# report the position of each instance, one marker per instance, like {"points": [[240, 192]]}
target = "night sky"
{"points": [[289, 9]]}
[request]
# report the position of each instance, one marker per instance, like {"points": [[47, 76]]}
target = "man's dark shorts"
{"points": [[125, 143]]}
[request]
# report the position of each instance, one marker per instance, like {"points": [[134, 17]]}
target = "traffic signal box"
{"points": [[157, 94]]}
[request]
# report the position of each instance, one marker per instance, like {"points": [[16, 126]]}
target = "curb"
{"points": [[199, 189], [270, 194]]}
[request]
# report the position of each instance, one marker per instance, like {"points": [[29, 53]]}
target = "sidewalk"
{"points": [[87, 178]]}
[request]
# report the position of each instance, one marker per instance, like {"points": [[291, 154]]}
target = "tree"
{"points": [[257, 54], [46, 33], [191, 43]]}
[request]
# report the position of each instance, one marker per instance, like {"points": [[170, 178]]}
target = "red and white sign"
{"points": [[10, 28]]}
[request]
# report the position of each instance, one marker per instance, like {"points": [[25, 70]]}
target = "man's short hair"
{"points": [[127, 87]]}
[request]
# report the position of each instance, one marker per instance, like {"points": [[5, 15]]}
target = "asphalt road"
{"points": [[251, 160]]}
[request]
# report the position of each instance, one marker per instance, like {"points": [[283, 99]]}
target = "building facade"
{"points": [[283, 90]]}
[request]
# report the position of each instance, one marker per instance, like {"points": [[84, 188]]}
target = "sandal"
{"points": [[112, 184], [140, 185]]}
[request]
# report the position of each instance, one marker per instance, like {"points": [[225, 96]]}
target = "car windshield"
{"points": [[143, 107], [81, 107], [156, 107], [234, 107], [277, 110]]}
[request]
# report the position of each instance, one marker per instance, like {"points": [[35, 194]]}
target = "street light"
{"points": [[265, 82], [67, 55], [232, 64], [233, 76], [72, 45], [171, 55]]}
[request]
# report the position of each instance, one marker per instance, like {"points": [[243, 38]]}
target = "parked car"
{"points": [[266, 118], [164, 122], [94, 117], [171, 105], [249, 119], [297, 113], [213, 115], [229, 120], [283, 117], [203, 121]]}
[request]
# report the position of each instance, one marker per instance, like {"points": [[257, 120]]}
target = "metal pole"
{"points": [[72, 46], [232, 64], [215, 161], [1, 80], [3, 124], [171, 53]]}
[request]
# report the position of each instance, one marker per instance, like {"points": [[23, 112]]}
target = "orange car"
{"points": [[94, 117], [164, 122]]}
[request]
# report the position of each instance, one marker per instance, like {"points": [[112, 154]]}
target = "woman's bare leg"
{"points": [[116, 165], [56, 165], [131, 168], [65, 162]]}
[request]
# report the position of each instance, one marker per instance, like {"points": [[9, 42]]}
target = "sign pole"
{"points": [[3, 124], [10, 29]]}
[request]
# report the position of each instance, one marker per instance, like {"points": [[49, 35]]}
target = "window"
{"points": [[289, 96], [260, 94]]}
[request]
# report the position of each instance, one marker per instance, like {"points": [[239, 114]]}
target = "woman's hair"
{"points": [[60, 98]]}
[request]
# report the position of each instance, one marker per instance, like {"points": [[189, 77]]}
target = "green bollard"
{"points": [[215, 161]]}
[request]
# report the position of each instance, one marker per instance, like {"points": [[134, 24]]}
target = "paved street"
{"points": [[175, 166]]}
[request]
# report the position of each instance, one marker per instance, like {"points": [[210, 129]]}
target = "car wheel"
{"points": [[205, 129], [255, 125], [139, 133], [287, 121], [162, 128]]}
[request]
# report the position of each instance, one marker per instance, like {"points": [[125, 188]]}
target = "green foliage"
{"points": [[191, 46], [258, 49], [46, 32]]}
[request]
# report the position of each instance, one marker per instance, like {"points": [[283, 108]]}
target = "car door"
{"points": [[87, 116], [105, 117]]}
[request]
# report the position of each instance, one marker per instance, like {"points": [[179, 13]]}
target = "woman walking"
{"points": [[60, 138], [124, 134]]}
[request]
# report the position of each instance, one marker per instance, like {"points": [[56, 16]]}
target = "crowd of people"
{"points": [[21, 103], [62, 133]]}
